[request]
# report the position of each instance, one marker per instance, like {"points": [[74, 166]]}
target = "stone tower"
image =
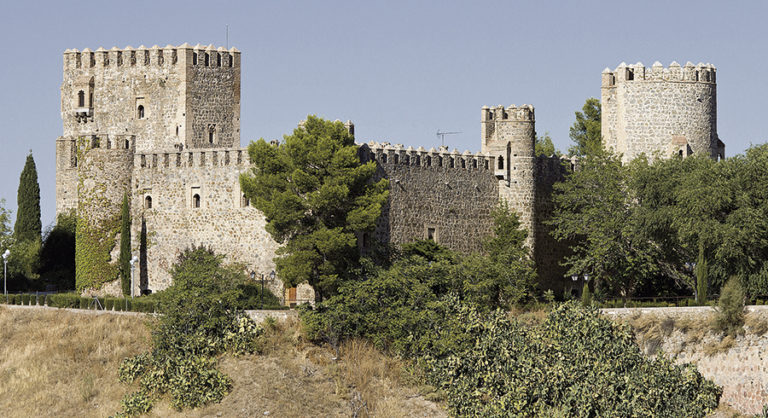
{"points": [[660, 111], [122, 101], [509, 135]]}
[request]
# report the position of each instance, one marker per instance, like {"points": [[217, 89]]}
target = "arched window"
{"points": [[501, 163], [196, 201], [148, 202], [81, 99], [211, 134], [140, 112]]}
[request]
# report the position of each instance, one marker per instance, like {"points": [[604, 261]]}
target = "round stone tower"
{"points": [[660, 111], [509, 135]]}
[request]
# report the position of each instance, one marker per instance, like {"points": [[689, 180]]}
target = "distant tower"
{"points": [[660, 111], [509, 135]]}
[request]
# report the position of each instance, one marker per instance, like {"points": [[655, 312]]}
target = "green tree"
{"points": [[125, 247], [316, 194], [506, 275], [5, 229], [544, 146], [702, 280], [585, 132], [597, 210], [57, 255], [28, 226]]}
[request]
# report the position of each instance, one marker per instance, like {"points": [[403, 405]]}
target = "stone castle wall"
{"points": [[444, 195], [548, 252], [659, 110], [165, 206]]}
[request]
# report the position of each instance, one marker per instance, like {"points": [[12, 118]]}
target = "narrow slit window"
{"points": [[196, 201], [81, 99], [218, 60], [501, 163], [127, 144], [140, 112], [194, 58], [207, 60]]}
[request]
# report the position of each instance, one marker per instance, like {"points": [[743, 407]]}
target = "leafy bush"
{"points": [[25, 299], [200, 320], [576, 362], [729, 317]]}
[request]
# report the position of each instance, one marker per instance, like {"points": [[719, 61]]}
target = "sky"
{"points": [[400, 70]]}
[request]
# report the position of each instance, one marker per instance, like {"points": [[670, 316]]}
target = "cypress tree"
{"points": [[702, 279], [125, 247], [28, 226]]}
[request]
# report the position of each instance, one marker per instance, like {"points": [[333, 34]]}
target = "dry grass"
{"points": [[61, 363], [756, 324]]}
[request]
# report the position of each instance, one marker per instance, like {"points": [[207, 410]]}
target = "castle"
{"points": [[162, 127]]}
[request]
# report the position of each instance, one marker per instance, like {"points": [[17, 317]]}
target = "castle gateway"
{"points": [[162, 127]]}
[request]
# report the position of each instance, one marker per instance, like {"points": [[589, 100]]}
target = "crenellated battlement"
{"points": [[211, 157], [523, 113], [388, 154], [168, 56], [699, 73]]}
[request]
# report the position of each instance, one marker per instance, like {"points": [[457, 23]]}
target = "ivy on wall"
{"points": [[95, 234]]}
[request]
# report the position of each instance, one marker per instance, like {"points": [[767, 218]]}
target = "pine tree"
{"points": [[28, 226], [125, 247]]}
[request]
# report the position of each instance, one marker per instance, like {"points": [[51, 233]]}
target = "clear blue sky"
{"points": [[399, 70]]}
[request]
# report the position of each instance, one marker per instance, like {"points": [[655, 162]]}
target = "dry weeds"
{"points": [[60, 363]]}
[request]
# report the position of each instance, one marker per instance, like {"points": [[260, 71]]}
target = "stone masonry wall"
{"points": [[450, 194], [213, 102], [223, 221], [742, 370], [660, 110]]}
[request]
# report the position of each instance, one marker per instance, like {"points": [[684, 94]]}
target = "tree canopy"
{"points": [[544, 146], [28, 226], [315, 194], [585, 132]]}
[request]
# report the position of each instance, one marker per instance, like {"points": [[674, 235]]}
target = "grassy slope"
{"points": [[61, 363]]}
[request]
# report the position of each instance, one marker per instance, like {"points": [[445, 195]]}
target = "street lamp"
{"points": [[6, 254], [133, 268]]}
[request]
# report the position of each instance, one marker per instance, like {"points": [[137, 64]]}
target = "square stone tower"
{"points": [[145, 99]]}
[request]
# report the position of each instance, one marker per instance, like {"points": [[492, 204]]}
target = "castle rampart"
{"points": [[435, 194], [660, 111]]}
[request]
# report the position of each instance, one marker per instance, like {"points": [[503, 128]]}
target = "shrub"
{"points": [[729, 317], [83, 303], [25, 299], [200, 320], [586, 297], [500, 368]]}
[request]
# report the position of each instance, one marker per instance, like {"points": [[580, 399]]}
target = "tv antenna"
{"points": [[443, 134]]}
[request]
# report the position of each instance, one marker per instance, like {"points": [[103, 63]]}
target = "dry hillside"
{"points": [[62, 363]]}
